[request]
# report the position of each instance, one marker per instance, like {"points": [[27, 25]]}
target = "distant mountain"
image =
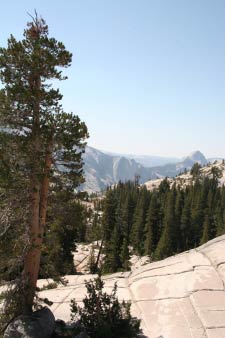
{"points": [[187, 178], [102, 169], [153, 161], [188, 161], [147, 160], [195, 156]]}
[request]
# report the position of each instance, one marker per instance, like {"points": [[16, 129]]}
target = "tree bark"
{"points": [[39, 207], [32, 258], [30, 262]]}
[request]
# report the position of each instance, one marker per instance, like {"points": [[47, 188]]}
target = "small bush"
{"points": [[103, 315]]}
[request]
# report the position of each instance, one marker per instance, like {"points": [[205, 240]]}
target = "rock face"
{"points": [[186, 179], [40, 324], [180, 297], [102, 170], [197, 156]]}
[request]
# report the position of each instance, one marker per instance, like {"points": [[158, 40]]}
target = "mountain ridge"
{"points": [[146, 160], [102, 169], [188, 178]]}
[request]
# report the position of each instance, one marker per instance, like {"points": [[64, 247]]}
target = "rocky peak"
{"points": [[197, 156]]}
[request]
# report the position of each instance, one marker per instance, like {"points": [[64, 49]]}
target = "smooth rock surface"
{"points": [[180, 297]]}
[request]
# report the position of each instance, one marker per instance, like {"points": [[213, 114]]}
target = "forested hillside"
{"points": [[162, 222]]}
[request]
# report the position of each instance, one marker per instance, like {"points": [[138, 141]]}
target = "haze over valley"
{"points": [[103, 169]]}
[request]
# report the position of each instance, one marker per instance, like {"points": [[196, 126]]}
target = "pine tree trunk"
{"points": [[36, 230], [39, 207], [45, 185], [31, 262]]}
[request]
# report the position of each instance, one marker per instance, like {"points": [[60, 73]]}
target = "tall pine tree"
{"points": [[46, 139]]}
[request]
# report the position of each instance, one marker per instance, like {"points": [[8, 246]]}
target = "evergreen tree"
{"points": [[125, 255], [166, 221], [43, 135], [164, 187], [111, 232], [185, 225], [219, 220], [102, 315], [92, 262], [206, 229], [211, 206], [198, 205], [95, 233], [165, 245], [152, 226], [112, 261], [127, 213], [138, 226], [66, 224], [179, 205], [109, 214], [216, 173], [13, 194], [195, 170]]}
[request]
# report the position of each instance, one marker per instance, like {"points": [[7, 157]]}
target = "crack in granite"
{"points": [[214, 266], [187, 304]]}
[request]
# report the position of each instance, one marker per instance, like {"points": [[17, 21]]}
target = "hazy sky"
{"points": [[148, 76]]}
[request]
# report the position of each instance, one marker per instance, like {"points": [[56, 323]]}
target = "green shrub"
{"points": [[103, 315]]}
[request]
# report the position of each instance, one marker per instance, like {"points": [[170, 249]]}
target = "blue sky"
{"points": [[148, 76]]}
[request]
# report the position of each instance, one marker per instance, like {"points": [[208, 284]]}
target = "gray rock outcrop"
{"points": [[40, 324], [182, 296]]}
